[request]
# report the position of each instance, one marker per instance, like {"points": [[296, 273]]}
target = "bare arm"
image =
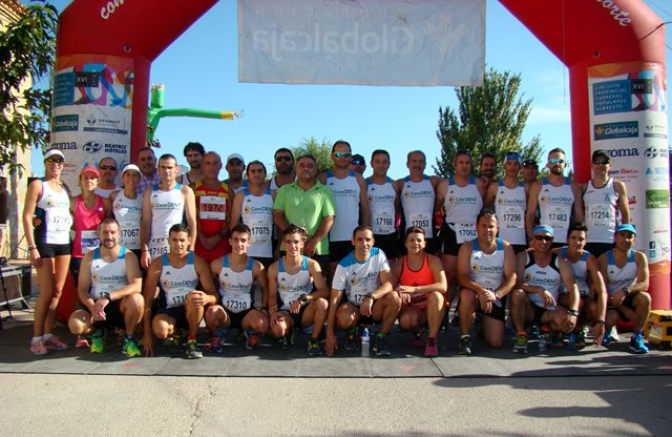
{"points": [[579, 214], [364, 208], [532, 204], [510, 273], [490, 196], [259, 274], [622, 201], [321, 289], [237, 208], [190, 212], [84, 282]]}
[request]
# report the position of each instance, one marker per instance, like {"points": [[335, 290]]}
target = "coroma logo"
{"points": [[620, 153], [71, 145], [92, 147]]}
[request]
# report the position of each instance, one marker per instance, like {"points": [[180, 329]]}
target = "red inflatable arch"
{"points": [[595, 39]]}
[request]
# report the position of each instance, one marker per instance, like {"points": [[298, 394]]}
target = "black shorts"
{"points": [[497, 313], [390, 244], [627, 302], [597, 249], [517, 248], [362, 320], [237, 318], [538, 313], [113, 315], [339, 250], [266, 262], [450, 246], [53, 250], [177, 313]]}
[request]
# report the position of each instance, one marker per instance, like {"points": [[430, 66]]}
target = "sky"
{"points": [[200, 70]]}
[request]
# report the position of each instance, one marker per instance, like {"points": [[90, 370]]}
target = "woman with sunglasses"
{"points": [[47, 222]]}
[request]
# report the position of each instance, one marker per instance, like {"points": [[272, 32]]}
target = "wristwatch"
{"points": [[573, 313], [105, 295], [371, 296], [497, 296], [303, 298]]}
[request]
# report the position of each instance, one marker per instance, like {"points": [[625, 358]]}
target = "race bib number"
{"points": [[383, 222], [89, 240], [212, 208], [60, 222], [598, 216], [261, 231], [558, 217], [237, 302], [290, 297], [512, 218], [130, 237], [176, 298], [421, 220], [464, 232], [418, 299], [158, 246]]}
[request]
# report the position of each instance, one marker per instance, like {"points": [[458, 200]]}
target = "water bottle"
{"points": [[544, 336], [571, 341], [366, 343]]}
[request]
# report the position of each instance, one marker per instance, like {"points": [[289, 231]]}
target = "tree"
{"points": [[321, 152], [27, 53], [490, 119]]}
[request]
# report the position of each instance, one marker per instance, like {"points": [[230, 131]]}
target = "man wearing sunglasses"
{"points": [[606, 202], [107, 182], [284, 169], [358, 164], [540, 274], [351, 203], [557, 199]]}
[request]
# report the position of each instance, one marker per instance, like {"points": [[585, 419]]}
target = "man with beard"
{"points": [[194, 153], [557, 197], [488, 168], [108, 176], [109, 289], [530, 173], [284, 169]]}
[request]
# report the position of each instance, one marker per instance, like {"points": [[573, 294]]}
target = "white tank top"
{"points": [[487, 270], [128, 212], [357, 279], [105, 193], [274, 185], [54, 211], [510, 206], [177, 283], [555, 207], [580, 270], [167, 210], [417, 201], [346, 204], [381, 202], [461, 207], [291, 286], [235, 288], [601, 212], [107, 277], [257, 214], [619, 278], [547, 277]]}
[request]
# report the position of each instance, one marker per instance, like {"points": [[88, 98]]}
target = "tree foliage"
{"points": [[27, 53], [489, 119], [321, 152]]}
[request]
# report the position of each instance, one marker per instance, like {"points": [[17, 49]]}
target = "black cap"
{"points": [[530, 162], [358, 159], [602, 153]]}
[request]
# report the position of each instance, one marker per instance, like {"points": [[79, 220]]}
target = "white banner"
{"points": [[362, 42]]}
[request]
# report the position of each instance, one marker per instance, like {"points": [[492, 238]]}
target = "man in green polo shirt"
{"points": [[308, 204]]}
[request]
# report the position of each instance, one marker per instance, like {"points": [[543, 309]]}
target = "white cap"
{"points": [[235, 156], [54, 152], [130, 167]]}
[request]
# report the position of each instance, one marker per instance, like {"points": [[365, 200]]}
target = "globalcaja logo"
{"points": [[657, 199], [66, 123], [610, 131]]}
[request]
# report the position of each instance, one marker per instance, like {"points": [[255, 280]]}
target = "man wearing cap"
{"points": [[309, 205], [461, 199], [235, 166], [127, 209], [530, 173], [558, 198], [606, 202], [351, 203], [383, 194], [194, 153], [540, 274], [213, 206], [162, 207], [107, 183], [508, 197], [487, 169], [626, 273], [358, 164], [149, 176]]}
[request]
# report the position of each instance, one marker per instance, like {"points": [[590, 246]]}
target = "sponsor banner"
{"points": [[374, 42], [628, 107], [91, 118]]}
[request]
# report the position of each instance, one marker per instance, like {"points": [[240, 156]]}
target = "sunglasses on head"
{"points": [[283, 158], [556, 161], [543, 237], [54, 160], [342, 154], [108, 167]]}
